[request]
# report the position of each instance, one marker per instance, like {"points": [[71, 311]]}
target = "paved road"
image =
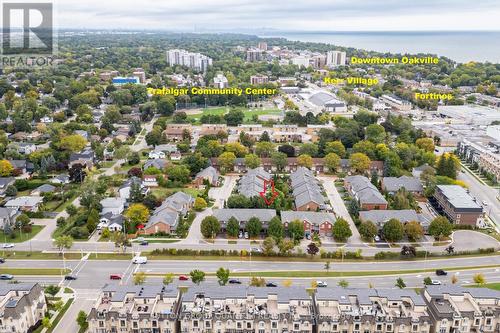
{"points": [[340, 209], [483, 193]]}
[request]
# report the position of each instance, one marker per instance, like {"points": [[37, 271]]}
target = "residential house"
{"points": [[111, 221], [115, 206], [84, 158], [286, 133], [26, 148], [60, 179], [155, 154], [176, 156], [380, 217], [242, 215], [22, 307], [252, 183], [5, 182], [124, 190], [367, 195], [25, 203], [376, 167], [393, 184], [213, 129], [8, 216], [209, 174], [314, 222], [176, 132], [457, 205], [167, 148], [159, 163], [417, 171], [306, 191], [84, 134], [22, 167], [42, 189], [166, 217]]}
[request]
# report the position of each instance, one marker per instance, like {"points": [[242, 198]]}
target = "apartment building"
{"points": [[458, 309], [252, 183], [236, 308], [213, 129], [370, 310], [457, 205], [486, 156], [306, 190], [176, 132], [365, 193], [22, 306], [396, 103], [196, 61], [286, 133], [254, 55], [135, 309], [259, 79], [335, 58]]}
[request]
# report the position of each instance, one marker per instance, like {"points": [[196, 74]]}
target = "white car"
{"points": [[321, 284], [8, 245], [140, 260], [485, 203], [435, 282], [377, 239], [246, 235]]}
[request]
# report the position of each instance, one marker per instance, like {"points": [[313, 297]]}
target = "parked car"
{"points": [[256, 249], [2, 260], [436, 282], [240, 235], [234, 281], [321, 284], [8, 245], [485, 203], [183, 278], [377, 238], [115, 277], [271, 284], [246, 235], [70, 277], [144, 243], [440, 272], [6, 277]]}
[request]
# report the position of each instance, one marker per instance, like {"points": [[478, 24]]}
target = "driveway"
{"points": [[220, 194], [465, 240], [340, 209]]}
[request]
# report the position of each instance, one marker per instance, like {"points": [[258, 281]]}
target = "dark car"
{"points": [[440, 272], [271, 284], [70, 277], [144, 243], [115, 277], [234, 281], [2, 260]]}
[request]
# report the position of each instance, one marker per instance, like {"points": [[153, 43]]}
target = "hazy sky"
{"points": [[366, 15]]}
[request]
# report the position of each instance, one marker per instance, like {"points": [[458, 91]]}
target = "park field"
{"points": [[249, 113]]}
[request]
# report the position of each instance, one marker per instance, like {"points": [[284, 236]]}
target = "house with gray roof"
{"points": [[22, 306], [242, 215], [42, 189], [86, 158], [457, 205], [111, 222], [25, 203], [252, 183], [166, 217], [367, 195], [306, 190], [380, 217], [314, 222], [394, 184], [8, 217], [4, 183], [115, 206], [158, 163], [209, 174]]}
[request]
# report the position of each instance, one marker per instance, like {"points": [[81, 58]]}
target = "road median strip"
{"points": [[34, 271]]}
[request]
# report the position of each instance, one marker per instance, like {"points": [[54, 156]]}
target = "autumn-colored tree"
{"points": [[305, 161], [73, 143], [360, 162], [6, 168], [137, 214]]}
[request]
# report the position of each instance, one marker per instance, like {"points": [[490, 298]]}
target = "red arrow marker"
{"points": [[274, 193]]}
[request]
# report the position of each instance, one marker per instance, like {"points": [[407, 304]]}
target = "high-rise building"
{"points": [[335, 58], [196, 61], [318, 61], [259, 79], [139, 73], [301, 61], [254, 55], [262, 46]]}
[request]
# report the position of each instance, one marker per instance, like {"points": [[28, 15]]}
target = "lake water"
{"points": [[461, 46]]}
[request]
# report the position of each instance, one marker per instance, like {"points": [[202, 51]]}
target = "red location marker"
{"points": [[274, 193]]}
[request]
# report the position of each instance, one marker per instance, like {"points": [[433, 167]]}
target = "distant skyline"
{"points": [[292, 15]]}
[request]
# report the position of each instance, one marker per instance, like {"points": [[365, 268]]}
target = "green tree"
{"points": [[332, 162], [168, 279], [210, 226], [375, 133], [427, 281], [279, 160], [226, 161], [233, 227], [52, 290], [341, 230], [343, 283], [286, 246], [479, 279], [222, 276], [253, 227], [296, 230], [305, 161], [368, 230], [46, 323], [197, 276], [72, 143], [335, 147], [63, 242], [440, 228], [139, 278], [268, 246], [257, 282], [400, 283], [359, 162], [414, 231], [199, 204], [81, 319], [275, 229], [264, 149], [312, 249], [252, 161], [310, 149], [393, 230]]}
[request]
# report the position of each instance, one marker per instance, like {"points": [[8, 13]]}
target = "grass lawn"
{"points": [[110, 256], [107, 164], [494, 286], [162, 192], [160, 240], [249, 113], [52, 205], [34, 271], [68, 290], [67, 203], [22, 237]]}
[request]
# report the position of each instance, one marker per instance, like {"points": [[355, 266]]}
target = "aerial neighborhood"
{"points": [[256, 160]]}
